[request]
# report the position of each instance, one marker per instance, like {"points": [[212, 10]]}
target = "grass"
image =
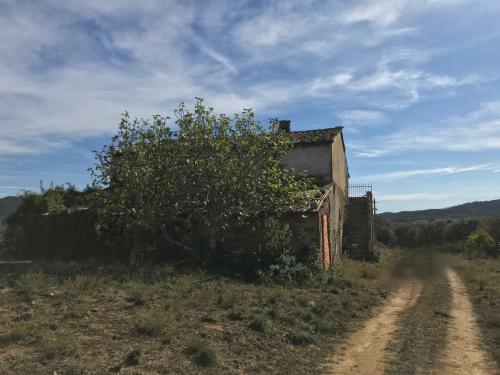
{"points": [[301, 338], [155, 321], [260, 323], [133, 358], [201, 354], [81, 318], [482, 278], [421, 336]]}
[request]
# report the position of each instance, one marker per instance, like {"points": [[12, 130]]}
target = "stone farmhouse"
{"points": [[340, 225]]}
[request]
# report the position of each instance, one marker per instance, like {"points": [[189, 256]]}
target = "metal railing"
{"points": [[359, 190]]}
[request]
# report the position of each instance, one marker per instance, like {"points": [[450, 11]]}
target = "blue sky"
{"points": [[415, 83]]}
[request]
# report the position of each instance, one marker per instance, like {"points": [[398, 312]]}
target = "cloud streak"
{"points": [[474, 132], [392, 176]]}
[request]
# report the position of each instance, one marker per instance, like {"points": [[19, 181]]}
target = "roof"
{"points": [[313, 136]]}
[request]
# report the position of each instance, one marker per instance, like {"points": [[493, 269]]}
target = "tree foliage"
{"points": [[57, 223], [207, 172], [481, 234], [480, 241]]}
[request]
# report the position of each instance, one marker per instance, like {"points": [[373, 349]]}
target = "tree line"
{"points": [[479, 234]]}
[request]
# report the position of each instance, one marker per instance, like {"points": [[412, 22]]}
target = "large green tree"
{"points": [[206, 171]]}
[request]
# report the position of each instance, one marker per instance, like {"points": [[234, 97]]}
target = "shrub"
{"points": [[205, 358], [479, 243], [287, 268]]}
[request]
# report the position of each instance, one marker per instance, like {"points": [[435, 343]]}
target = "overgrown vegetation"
{"points": [[88, 317], [208, 189], [188, 191]]}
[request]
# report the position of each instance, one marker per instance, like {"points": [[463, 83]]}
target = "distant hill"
{"points": [[473, 209], [7, 206]]}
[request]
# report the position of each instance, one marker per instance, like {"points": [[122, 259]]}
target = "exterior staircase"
{"points": [[359, 231]]}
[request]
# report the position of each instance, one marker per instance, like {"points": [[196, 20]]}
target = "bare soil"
{"points": [[364, 351], [463, 353], [428, 326]]}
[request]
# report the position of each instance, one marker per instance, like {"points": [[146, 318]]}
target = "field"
{"points": [[88, 319], [410, 312]]}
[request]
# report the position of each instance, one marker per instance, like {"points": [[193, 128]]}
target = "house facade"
{"points": [[321, 155]]}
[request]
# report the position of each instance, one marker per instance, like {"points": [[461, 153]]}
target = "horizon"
{"points": [[414, 85]]}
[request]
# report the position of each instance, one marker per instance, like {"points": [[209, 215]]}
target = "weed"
{"points": [[138, 293], [86, 283], [32, 283], [327, 324], [16, 333], [133, 358], [260, 323], [300, 338], [226, 300], [79, 309], [75, 370], [368, 271], [59, 344], [154, 322], [201, 353], [205, 358], [238, 313]]}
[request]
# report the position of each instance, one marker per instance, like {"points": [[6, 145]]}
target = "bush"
{"points": [[479, 243], [205, 358], [288, 269]]}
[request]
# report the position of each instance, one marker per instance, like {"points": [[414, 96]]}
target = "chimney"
{"points": [[284, 125]]}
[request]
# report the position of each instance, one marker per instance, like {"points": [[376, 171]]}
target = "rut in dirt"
{"points": [[463, 353], [426, 327], [365, 348]]}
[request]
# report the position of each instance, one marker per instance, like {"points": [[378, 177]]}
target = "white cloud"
{"points": [[360, 118], [392, 176], [475, 131], [412, 197], [68, 69]]}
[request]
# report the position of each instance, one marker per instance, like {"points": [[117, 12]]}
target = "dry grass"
{"points": [[482, 277], [75, 319]]}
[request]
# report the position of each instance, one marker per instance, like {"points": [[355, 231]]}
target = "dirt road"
{"points": [[426, 327]]}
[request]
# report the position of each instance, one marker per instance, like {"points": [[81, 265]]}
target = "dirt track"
{"points": [[463, 354], [426, 327], [364, 351]]}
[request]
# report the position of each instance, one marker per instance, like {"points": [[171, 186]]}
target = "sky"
{"points": [[416, 84]]}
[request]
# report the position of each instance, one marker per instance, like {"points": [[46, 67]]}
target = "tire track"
{"points": [[463, 353], [364, 350]]}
